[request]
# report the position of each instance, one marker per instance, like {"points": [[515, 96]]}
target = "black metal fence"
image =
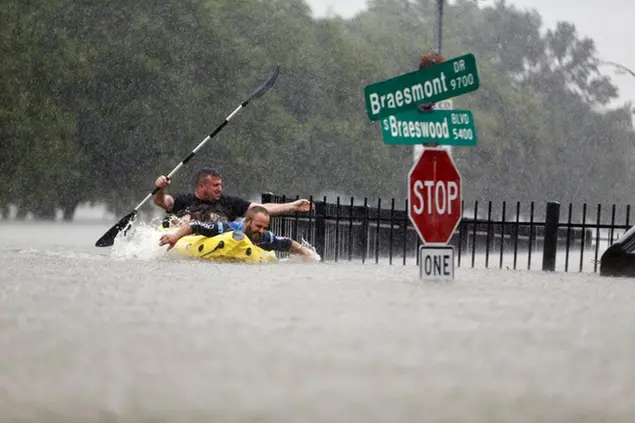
{"points": [[504, 235]]}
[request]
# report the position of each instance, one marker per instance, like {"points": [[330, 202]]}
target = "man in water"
{"points": [[254, 226], [209, 193]]}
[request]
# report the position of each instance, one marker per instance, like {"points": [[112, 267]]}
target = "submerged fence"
{"points": [[504, 235]]}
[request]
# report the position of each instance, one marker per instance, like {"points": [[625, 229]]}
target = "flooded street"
{"points": [[88, 337]]}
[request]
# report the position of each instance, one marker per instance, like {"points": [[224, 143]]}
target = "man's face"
{"points": [[254, 228], [209, 188]]}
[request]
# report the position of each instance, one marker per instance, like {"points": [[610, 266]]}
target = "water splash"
{"points": [[304, 243], [139, 241], [312, 249]]}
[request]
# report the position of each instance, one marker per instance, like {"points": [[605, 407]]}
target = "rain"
{"points": [[99, 99]]}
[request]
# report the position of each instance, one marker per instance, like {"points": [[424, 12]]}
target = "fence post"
{"points": [[552, 219], [320, 229]]}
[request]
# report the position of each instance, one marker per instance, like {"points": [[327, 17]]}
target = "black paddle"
{"points": [[108, 238]]}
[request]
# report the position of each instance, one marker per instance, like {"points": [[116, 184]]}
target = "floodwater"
{"points": [[128, 334]]}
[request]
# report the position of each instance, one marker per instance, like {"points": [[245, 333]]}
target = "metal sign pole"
{"points": [[439, 25]]}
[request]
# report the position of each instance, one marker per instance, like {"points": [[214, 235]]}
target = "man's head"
{"points": [[209, 185], [256, 222]]}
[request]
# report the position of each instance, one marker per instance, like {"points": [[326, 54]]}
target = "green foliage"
{"points": [[98, 98]]}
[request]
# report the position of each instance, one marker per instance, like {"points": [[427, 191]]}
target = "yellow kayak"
{"points": [[233, 247]]}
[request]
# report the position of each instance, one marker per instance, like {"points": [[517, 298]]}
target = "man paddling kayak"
{"points": [[209, 193], [254, 226]]}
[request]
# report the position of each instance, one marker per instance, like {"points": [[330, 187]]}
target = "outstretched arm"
{"points": [[193, 227], [301, 205], [285, 244], [173, 238], [298, 249]]}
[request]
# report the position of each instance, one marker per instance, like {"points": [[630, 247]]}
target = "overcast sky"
{"points": [[610, 23]]}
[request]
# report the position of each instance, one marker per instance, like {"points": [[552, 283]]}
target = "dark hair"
{"points": [[204, 173]]}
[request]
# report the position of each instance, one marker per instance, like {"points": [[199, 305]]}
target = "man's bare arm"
{"points": [[161, 198], [274, 209], [173, 238], [298, 249]]}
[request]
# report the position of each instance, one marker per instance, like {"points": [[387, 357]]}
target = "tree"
{"points": [[97, 99]]}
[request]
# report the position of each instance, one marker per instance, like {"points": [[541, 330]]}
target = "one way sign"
{"points": [[436, 263]]}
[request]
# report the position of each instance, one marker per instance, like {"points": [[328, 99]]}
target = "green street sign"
{"points": [[440, 82], [446, 127]]}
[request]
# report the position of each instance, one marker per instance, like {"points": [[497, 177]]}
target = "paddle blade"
{"points": [[266, 86], [108, 239]]}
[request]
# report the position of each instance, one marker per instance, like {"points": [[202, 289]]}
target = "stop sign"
{"points": [[434, 196]]}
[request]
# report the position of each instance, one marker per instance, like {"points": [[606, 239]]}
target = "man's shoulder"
{"points": [[184, 196], [182, 201], [236, 225]]}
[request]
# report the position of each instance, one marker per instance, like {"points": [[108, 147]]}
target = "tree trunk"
{"points": [[20, 213], [43, 213], [68, 210]]}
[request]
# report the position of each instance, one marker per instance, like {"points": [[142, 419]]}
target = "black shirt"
{"points": [[226, 209]]}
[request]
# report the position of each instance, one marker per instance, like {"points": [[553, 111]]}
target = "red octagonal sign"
{"points": [[434, 196]]}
